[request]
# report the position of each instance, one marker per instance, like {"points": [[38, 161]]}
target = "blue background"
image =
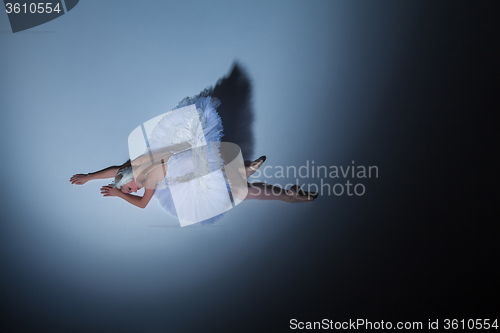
{"points": [[406, 86]]}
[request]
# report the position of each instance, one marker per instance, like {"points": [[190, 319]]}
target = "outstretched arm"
{"points": [[109, 172]]}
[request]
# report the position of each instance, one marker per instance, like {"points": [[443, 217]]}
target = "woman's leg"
{"points": [[264, 191]]}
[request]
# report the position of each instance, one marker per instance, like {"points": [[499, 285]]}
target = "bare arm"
{"points": [[109, 172], [136, 200]]}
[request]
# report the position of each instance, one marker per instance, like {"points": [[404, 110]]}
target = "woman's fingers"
{"points": [[77, 179], [105, 190]]}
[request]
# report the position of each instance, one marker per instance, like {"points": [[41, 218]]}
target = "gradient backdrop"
{"points": [[410, 87]]}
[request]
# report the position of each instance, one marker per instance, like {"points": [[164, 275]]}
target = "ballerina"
{"points": [[124, 184], [175, 159]]}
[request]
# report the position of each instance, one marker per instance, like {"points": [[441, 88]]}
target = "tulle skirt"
{"points": [[191, 190]]}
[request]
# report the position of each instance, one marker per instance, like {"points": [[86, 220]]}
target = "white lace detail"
{"points": [[181, 179]]}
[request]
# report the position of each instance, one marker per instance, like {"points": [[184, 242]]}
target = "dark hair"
{"points": [[126, 165], [123, 166]]}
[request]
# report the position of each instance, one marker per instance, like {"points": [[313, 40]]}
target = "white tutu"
{"points": [[199, 192]]}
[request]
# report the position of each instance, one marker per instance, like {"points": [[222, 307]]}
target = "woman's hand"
{"points": [[79, 179], [110, 191]]}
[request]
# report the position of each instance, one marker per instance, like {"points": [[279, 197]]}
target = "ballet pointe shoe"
{"points": [[254, 166], [296, 194]]}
